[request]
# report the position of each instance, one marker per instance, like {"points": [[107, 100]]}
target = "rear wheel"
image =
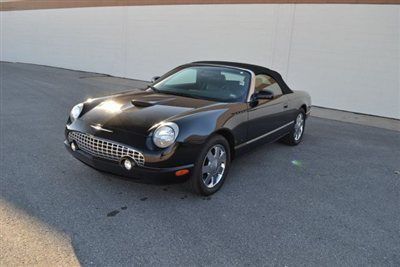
{"points": [[296, 134], [211, 167]]}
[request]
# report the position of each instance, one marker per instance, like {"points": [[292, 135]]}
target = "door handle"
{"points": [[285, 105]]}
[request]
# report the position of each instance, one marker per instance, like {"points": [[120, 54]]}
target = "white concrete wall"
{"points": [[346, 56]]}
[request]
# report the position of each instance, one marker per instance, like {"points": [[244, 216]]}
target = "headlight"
{"points": [[76, 111], [165, 134]]}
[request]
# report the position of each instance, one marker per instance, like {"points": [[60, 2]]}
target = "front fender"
{"points": [[196, 128]]}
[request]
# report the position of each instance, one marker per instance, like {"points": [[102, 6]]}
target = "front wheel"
{"points": [[296, 134], [211, 166]]}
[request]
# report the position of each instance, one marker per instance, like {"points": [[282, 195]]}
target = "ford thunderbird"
{"points": [[189, 123]]}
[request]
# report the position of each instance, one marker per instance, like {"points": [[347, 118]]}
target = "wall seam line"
{"points": [[290, 42]]}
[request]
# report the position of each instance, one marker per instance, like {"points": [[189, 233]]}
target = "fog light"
{"points": [[128, 164], [73, 146]]}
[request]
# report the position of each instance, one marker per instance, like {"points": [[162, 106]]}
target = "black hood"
{"points": [[137, 112]]}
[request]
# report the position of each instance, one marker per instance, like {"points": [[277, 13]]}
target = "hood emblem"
{"points": [[99, 127]]}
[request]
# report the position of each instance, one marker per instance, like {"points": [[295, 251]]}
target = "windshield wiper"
{"points": [[165, 92], [179, 94], [176, 93]]}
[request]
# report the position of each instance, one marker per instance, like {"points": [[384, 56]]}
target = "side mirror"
{"points": [[263, 95], [260, 95], [155, 78]]}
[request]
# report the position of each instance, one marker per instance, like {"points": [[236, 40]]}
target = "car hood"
{"points": [[137, 112]]}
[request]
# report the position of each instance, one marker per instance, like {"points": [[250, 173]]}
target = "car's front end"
{"points": [[126, 160], [158, 132], [115, 135]]}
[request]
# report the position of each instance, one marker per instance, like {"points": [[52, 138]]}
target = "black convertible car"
{"points": [[188, 123]]}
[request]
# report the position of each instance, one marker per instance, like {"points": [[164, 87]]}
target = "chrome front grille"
{"points": [[105, 148]]}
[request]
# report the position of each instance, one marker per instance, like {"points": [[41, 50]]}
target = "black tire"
{"points": [[290, 138], [196, 180]]}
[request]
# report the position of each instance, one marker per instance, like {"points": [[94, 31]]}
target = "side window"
{"points": [[267, 83]]}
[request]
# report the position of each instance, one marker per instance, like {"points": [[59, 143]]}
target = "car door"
{"points": [[266, 117]]}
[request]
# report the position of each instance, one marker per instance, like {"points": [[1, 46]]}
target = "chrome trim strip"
{"points": [[252, 88], [264, 135], [99, 127]]}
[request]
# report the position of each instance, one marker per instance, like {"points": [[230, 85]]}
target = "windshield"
{"points": [[207, 82]]}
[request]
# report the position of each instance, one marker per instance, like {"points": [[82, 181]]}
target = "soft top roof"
{"points": [[254, 68]]}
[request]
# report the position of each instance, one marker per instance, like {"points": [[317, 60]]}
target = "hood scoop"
{"points": [[143, 102]]}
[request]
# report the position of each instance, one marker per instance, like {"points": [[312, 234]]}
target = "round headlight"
{"points": [[76, 111], [165, 135]]}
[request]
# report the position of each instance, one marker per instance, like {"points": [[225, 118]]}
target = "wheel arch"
{"points": [[304, 107], [228, 135]]}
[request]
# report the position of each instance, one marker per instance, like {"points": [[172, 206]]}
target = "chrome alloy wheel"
{"points": [[299, 127], [214, 166]]}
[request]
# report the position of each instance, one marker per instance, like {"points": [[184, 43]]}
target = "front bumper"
{"points": [[115, 167]]}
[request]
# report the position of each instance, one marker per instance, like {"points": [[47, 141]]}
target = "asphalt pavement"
{"points": [[333, 200]]}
